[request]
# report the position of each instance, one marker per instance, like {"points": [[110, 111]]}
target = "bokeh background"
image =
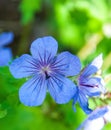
{"points": [[82, 27]]}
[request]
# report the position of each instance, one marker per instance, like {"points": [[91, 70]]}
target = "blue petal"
{"points": [[6, 38], [88, 71], [98, 113], [93, 86], [23, 66], [83, 101], [33, 92], [44, 48], [75, 99], [93, 67], [5, 56], [67, 64], [61, 89]]}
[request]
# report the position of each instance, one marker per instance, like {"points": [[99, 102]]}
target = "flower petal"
{"points": [[33, 92], [5, 56], [88, 71], [6, 38], [93, 119], [99, 112], [107, 115], [67, 64], [75, 99], [93, 86], [44, 48], [23, 66], [96, 124], [61, 89], [83, 101], [98, 61], [93, 67]]}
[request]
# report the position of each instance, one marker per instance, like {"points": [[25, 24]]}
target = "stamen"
{"points": [[46, 75], [46, 71]]}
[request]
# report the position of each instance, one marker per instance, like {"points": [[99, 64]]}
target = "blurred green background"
{"points": [[82, 27]]}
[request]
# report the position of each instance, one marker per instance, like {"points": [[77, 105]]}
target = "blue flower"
{"points": [[88, 84], [5, 52], [47, 72], [97, 119]]}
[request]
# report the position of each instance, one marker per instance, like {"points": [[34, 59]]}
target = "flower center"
{"points": [[46, 71]]}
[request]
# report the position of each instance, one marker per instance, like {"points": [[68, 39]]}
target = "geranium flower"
{"points": [[5, 52], [88, 84], [47, 72], [97, 119]]}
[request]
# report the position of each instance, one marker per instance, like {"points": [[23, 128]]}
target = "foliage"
{"points": [[28, 9]]}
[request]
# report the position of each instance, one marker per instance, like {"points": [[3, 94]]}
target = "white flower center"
{"points": [[46, 70]]}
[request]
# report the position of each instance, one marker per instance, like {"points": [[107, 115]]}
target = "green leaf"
{"points": [[3, 112], [28, 9]]}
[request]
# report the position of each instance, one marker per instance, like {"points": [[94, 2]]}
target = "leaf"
{"points": [[3, 113], [28, 9]]}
